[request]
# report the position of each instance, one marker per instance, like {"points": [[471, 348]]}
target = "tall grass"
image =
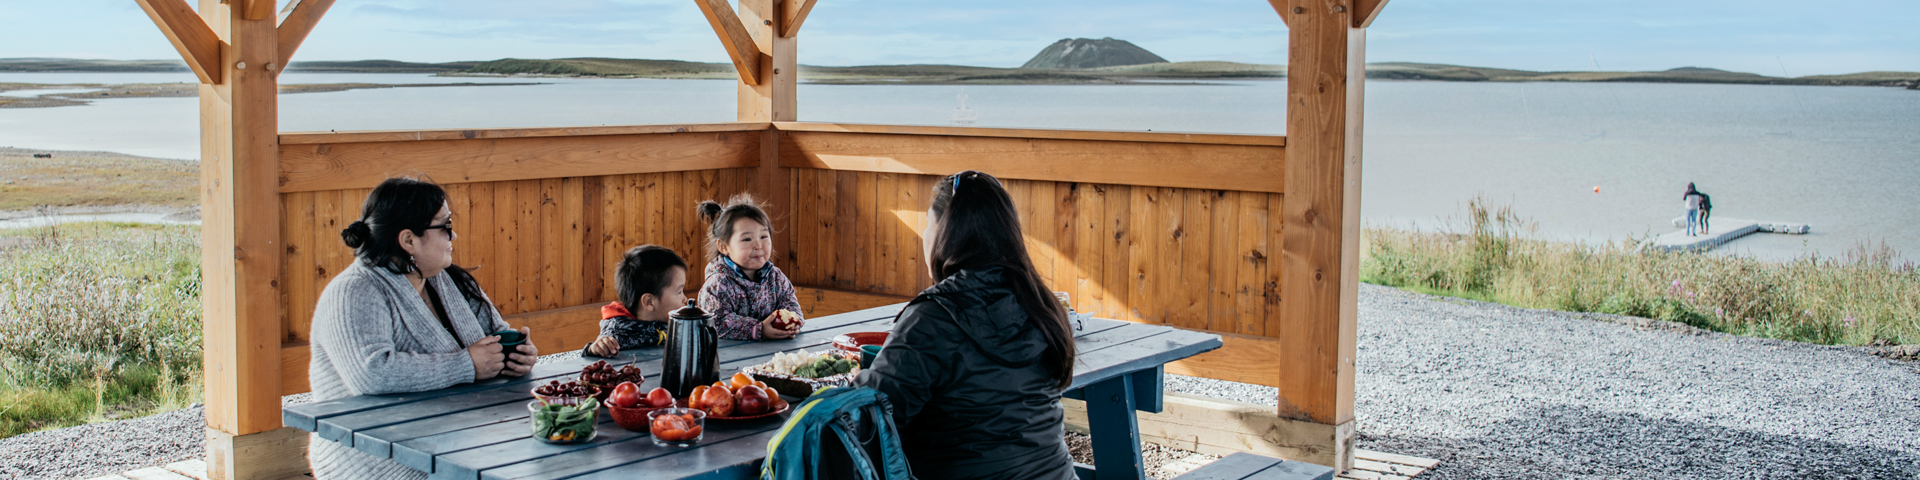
{"points": [[97, 321], [1863, 296]]}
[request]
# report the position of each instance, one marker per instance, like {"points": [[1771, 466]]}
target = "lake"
{"points": [[1844, 159]]}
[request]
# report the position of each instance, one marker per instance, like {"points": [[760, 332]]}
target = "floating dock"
{"points": [[1724, 230]]}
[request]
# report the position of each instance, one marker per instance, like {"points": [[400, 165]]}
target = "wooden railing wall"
{"points": [[1176, 229]]}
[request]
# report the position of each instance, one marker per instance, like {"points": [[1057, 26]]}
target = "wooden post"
{"points": [[240, 250], [1321, 232], [771, 99]]}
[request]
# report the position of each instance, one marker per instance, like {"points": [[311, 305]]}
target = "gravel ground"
{"points": [[1489, 390], [1500, 392]]}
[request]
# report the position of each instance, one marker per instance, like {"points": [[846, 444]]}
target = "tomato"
{"points": [[659, 398], [671, 435], [626, 395]]}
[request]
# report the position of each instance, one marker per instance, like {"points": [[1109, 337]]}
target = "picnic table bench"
{"points": [[480, 430]]}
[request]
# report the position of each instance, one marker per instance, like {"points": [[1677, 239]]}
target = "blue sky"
{"points": [[1760, 36]]}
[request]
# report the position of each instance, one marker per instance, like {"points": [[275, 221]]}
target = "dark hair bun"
{"points": [[709, 211], [356, 234]]}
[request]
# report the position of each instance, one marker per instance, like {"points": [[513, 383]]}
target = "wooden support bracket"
{"points": [[740, 46], [794, 13], [1364, 11], [189, 34], [297, 25]]}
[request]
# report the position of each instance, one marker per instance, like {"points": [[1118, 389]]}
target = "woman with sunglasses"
{"points": [[402, 318]]}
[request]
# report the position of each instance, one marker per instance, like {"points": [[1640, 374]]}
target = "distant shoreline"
{"points": [[173, 90], [1201, 71]]}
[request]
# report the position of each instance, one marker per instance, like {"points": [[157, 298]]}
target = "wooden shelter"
{"points": [[1252, 237]]}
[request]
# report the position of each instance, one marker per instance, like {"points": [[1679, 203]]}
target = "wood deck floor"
{"points": [[1372, 465]]}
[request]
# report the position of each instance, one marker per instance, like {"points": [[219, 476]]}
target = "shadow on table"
{"points": [[1577, 441]]}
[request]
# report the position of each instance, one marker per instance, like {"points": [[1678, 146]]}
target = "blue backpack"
{"points": [[838, 433]]}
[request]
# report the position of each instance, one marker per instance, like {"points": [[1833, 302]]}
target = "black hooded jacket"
{"points": [[970, 393]]}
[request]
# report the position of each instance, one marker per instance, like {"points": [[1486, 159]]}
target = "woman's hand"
{"points": [[522, 360], [768, 331], [487, 360], [604, 346]]}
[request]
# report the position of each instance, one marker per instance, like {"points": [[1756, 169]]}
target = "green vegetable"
{"points": [[565, 423], [807, 371]]}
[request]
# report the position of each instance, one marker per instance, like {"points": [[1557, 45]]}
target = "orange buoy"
{"points": [[1596, 189]]}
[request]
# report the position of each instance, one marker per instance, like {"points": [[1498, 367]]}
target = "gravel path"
{"points": [[1500, 392], [1489, 390]]}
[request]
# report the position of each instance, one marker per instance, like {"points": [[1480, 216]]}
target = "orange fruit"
{"points": [[741, 379]]}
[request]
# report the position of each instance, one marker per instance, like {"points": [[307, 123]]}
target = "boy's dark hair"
{"points": [[720, 220], [979, 228], [644, 271]]}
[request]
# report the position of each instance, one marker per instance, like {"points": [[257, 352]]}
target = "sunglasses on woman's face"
{"points": [[444, 226]]}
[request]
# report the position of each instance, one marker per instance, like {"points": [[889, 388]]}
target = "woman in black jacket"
{"points": [[976, 364]]}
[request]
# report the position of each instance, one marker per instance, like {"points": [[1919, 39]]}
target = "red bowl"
{"points": [[851, 342], [632, 419]]}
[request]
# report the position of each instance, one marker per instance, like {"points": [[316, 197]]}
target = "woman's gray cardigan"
{"points": [[373, 334]]}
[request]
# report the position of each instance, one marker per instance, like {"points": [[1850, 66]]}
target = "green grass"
{"points": [[1864, 296], [97, 321]]}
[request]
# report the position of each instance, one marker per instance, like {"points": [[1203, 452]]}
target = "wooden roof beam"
{"points": [[257, 9], [294, 29], [745, 53], [794, 13], [189, 34], [1364, 11]]}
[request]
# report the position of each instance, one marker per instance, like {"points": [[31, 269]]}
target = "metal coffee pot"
{"points": [[692, 356]]}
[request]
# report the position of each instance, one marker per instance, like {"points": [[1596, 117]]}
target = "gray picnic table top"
{"points": [[480, 430]]}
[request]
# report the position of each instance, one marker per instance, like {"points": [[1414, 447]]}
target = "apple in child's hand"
{"points": [[786, 320], [626, 395], [660, 398], [717, 402], [753, 400]]}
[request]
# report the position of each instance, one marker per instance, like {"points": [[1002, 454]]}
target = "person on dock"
{"points": [[976, 364], [1706, 210], [1692, 199], [402, 318]]}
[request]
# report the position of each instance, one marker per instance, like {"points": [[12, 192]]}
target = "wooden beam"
{"points": [[197, 42], [733, 35], [1280, 7], [818, 302], [335, 166], [258, 9], [795, 13], [1320, 216], [1051, 134], [1221, 427], [1183, 165], [1241, 358], [317, 138], [293, 31], [1364, 12]]}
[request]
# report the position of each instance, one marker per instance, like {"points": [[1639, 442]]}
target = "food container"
{"points": [[633, 419], [564, 424], [851, 342], [676, 427], [801, 387], [598, 395]]}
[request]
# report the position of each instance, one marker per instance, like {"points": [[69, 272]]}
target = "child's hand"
{"points": [[604, 346], [768, 330]]}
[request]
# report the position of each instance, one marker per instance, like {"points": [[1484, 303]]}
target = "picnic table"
{"points": [[480, 430]]}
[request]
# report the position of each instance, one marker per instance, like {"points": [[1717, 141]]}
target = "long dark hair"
{"points": [[402, 203], [720, 220], [1690, 191], [978, 228]]}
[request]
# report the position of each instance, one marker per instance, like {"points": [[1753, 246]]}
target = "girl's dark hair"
{"points": [[720, 220], [644, 271], [401, 203], [979, 228]]}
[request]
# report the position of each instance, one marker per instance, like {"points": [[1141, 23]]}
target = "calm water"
{"points": [[1842, 159]]}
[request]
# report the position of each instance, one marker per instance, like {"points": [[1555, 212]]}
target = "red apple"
{"points": [[660, 398], [625, 395], [786, 320], [753, 400], [717, 402]]}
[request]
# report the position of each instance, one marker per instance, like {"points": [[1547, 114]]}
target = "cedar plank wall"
{"points": [[1194, 258]]}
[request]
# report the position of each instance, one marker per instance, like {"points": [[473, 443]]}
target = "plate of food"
{"points": [[800, 372], [737, 398]]}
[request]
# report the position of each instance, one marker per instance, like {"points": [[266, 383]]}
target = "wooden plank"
{"points": [[1223, 427], [794, 13], [329, 166], [866, 234], [823, 301], [528, 238], [846, 224], [590, 231], [1232, 467], [506, 247], [294, 359], [476, 234], [1141, 254], [653, 221], [257, 9], [886, 233], [613, 233], [573, 242], [383, 136], [826, 203], [1196, 239], [909, 209], [1169, 299], [798, 261], [1090, 260], [190, 35], [674, 221], [1270, 294], [1379, 456], [1045, 134], [1035, 203], [1223, 307], [1241, 358], [1066, 238], [1325, 74], [1402, 471], [1115, 256], [1250, 250], [734, 37], [1364, 11], [299, 23], [301, 293], [1184, 165]]}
